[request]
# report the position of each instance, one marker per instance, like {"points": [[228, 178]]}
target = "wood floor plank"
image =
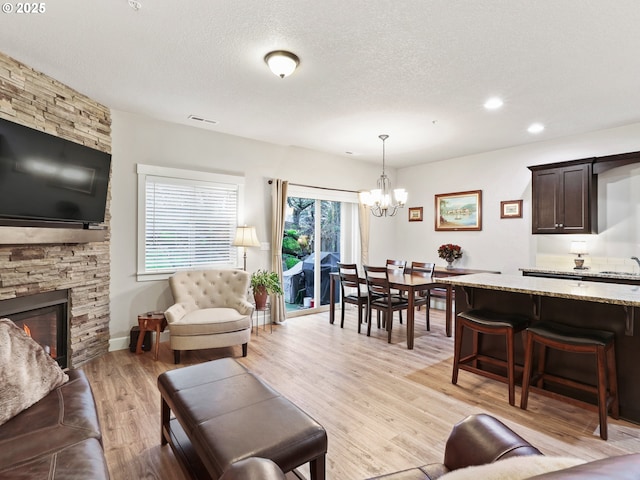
{"points": [[385, 408]]}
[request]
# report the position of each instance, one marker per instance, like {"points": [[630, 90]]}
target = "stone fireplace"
{"points": [[36, 261], [44, 317]]}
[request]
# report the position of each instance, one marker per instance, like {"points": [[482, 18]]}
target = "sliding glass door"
{"points": [[320, 231]]}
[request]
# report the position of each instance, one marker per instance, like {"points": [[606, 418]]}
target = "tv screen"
{"points": [[47, 178]]}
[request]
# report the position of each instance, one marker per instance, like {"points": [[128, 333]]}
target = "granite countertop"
{"points": [[613, 293], [584, 273]]}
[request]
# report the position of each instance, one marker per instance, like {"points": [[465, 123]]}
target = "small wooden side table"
{"points": [[151, 321]]}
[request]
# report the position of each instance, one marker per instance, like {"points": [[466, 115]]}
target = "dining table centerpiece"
{"points": [[450, 252]]}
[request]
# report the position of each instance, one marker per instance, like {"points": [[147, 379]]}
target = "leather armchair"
{"points": [[211, 310]]}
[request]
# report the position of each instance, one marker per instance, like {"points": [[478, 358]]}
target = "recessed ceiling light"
{"points": [[493, 103], [535, 128]]}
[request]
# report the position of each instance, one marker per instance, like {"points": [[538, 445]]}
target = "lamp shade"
{"points": [[282, 63], [246, 237], [578, 248]]}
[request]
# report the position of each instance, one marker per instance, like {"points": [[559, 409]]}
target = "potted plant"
{"points": [[263, 284], [450, 252]]}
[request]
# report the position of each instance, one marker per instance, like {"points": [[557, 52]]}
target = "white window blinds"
{"points": [[188, 223]]}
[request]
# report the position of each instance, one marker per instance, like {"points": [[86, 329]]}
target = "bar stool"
{"points": [[489, 323], [576, 340]]}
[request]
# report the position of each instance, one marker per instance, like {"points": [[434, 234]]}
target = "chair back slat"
{"points": [[396, 266], [423, 269], [377, 281], [348, 274]]}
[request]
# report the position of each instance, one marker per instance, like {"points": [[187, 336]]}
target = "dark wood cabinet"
{"points": [[564, 198]]}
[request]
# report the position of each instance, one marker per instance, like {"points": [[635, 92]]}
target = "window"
{"points": [[187, 219]]}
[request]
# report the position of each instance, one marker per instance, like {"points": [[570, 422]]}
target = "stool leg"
{"points": [[613, 381], [542, 361], [476, 335], [317, 468], [602, 390], [526, 374], [510, 367], [457, 348]]}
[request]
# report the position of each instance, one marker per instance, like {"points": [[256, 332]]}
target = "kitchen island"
{"points": [[603, 306]]}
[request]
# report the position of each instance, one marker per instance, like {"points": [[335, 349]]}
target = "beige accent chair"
{"points": [[211, 310]]}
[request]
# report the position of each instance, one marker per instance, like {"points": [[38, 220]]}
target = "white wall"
{"points": [[137, 139], [507, 244], [502, 244]]}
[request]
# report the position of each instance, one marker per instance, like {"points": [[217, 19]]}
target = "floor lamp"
{"points": [[245, 237]]}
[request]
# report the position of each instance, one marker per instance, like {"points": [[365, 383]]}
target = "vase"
{"points": [[260, 296], [449, 263]]}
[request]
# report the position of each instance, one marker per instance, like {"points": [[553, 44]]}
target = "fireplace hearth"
{"points": [[44, 317]]}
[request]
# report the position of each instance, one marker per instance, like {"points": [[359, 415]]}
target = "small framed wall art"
{"points": [[511, 209], [415, 214], [459, 211]]}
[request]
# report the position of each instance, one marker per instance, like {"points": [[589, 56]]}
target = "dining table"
{"points": [[405, 282]]}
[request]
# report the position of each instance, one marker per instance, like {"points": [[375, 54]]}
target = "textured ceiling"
{"points": [[418, 70]]}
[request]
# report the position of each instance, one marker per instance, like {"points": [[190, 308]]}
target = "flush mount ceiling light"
{"points": [[135, 5], [282, 63], [380, 200]]}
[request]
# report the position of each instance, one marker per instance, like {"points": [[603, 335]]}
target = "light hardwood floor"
{"points": [[385, 408]]}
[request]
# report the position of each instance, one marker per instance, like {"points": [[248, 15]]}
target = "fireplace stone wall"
{"points": [[33, 99]]}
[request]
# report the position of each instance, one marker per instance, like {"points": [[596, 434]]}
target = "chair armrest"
{"points": [[481, 439], [244, 307], [177, 311]]}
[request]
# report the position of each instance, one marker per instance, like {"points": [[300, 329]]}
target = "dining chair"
{"points": [[423, 298], [381, 298], [397, 267], [351, 291]]}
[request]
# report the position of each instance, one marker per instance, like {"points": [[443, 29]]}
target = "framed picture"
{"points": [[415, 214], [511, 209], [459, 211]]}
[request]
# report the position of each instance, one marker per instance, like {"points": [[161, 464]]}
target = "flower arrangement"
{"points": [[450, 252]]}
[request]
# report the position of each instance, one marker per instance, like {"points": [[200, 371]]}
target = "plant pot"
{"points": [[260, 296]]}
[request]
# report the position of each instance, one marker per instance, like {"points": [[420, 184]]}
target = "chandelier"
{"points": [[381, 200]]}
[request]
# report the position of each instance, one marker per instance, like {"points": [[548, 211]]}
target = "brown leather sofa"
{"points": [[57, 438], [476, 440]]}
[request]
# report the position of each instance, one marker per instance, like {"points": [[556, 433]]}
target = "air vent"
{"points": [[203, 120]]}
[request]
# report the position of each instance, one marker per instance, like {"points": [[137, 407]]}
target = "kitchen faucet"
{"points": [[636, 259]]}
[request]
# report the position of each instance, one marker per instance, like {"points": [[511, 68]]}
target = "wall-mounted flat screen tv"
{"points": [[44, 178]]}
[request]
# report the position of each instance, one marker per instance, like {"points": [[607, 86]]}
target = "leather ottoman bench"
{"points": [[223, 414]]}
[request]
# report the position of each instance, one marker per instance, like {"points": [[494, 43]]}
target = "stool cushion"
{"points": [[571, 335], [490, 318]]}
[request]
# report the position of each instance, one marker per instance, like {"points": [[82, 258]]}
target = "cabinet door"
{"points": [[545, 185], [564, 200], [574, 202]]}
